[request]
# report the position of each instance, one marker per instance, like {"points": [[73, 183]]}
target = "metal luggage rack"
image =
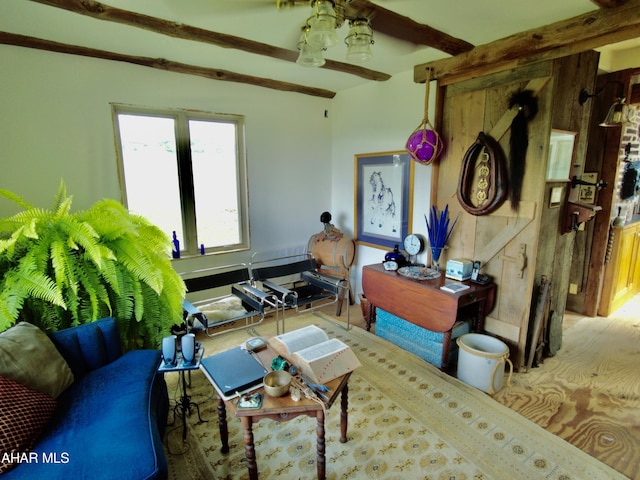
{"points": [[297, 284]]}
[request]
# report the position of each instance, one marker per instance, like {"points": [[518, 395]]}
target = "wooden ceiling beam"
{"points": [[609, 3], [578, 34], [161, 26], [161, 64], [404, 28]]}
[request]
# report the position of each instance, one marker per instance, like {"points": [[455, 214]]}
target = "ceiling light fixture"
{"points": [[320, 33], [310, 55], [322, 24], [359, 40], [618, 113]]}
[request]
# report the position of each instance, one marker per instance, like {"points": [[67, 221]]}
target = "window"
{"points": [[186, 172]]}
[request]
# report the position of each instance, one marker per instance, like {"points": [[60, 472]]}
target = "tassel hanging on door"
{"points": [[527, 108]]}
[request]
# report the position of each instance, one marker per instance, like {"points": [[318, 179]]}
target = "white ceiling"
{"points": [[477, 22]]}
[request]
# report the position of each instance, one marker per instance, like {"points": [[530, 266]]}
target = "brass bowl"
{"points": [[277, 383]]}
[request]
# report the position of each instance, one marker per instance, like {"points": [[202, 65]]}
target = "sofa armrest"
{"points": [[89, 346]]}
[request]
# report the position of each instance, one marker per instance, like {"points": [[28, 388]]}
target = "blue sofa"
{"points": [[109, 423]]}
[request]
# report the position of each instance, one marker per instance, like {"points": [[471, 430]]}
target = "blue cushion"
{"points": [[106, 425], [89, 346], [424, 343], [410, 330], [428, 351]]}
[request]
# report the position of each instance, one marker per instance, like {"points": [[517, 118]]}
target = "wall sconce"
{"points": [[618, 113]]}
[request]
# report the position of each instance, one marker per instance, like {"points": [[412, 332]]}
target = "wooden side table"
{"points": [[422, 303], [283, 409]]}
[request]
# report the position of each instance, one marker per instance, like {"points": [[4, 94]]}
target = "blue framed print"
{"points": [[383, 198]]}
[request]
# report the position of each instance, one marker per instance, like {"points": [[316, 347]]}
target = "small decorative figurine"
{"points": [[331, 233]]}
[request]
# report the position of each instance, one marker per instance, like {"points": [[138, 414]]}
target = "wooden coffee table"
{"points": [[284, 409]]}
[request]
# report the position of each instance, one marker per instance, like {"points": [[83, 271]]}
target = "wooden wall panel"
{"points": [[481, 104], [571, 74]]}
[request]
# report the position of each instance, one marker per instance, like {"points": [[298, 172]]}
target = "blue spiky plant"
{"points": [[439, 230], [60, 268]]}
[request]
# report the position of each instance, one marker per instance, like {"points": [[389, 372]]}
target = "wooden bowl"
{"points": [[277, 383]]}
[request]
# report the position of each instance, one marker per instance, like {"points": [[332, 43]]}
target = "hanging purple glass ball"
{"points": [[424, 145]]}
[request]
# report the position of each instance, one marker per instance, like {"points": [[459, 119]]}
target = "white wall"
{"points": [[378, 117], [56, 123]]}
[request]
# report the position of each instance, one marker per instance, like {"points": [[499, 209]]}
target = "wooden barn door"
{"points": [[505, 241]]}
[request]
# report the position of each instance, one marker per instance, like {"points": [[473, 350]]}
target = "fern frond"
{"points": [[10, 304], [60, 197], [15, 198], [61, 262], [34, 284], [62, 209], [131, 257], [138, 301], [33, 216], [82, 235], [122, 299], [93, 288], [9, 244]]}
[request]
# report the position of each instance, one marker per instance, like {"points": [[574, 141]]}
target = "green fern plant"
{"points": [[59, 269]]}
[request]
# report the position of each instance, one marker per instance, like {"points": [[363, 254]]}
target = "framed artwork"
{"points": [[588, 192], [383, 198]]}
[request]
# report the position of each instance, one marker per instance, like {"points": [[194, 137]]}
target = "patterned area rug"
{"points": [[407, 420]]}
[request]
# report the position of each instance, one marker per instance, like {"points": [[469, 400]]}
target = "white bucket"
{"points": [[481, 360]]}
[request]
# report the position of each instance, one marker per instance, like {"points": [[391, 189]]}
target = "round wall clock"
{"points": [[414, 244]]}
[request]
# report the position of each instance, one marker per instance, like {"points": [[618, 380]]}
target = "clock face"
{"points": [[413, 244]]}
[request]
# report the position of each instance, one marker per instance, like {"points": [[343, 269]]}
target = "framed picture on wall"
{"points": [[588, 192], [383, 198]]}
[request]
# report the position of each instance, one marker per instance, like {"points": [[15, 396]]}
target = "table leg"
{"points": [[185, 405], [446, 348], [321, 446], [344, 406], [249, 449], [478, 323], [222, 425]]}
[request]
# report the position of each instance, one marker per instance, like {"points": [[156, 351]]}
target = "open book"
{"points": [[311, 350]]}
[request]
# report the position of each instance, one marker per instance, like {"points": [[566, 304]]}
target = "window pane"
{"points": [[151, 170], [214, 161]]}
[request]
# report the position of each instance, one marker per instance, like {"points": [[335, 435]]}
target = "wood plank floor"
{"points": [[589, 393]]}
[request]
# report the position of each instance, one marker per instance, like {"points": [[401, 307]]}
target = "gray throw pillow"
{"points": [[29, 357]]}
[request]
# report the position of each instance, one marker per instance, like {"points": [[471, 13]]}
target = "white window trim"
{"points": [[189, 247]]}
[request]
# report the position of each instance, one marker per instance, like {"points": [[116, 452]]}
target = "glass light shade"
{"points": [[322, 24], [359, 41], [310, 55], [618, 114]]}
